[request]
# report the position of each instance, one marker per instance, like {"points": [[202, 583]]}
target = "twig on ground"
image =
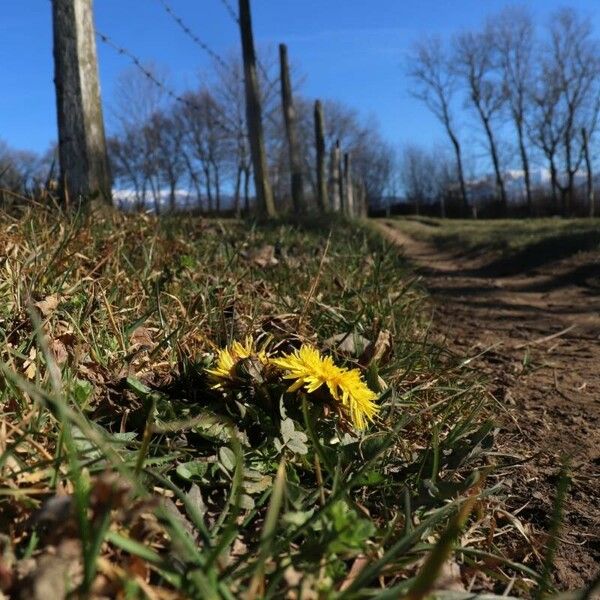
{"points": [[546, 338]]}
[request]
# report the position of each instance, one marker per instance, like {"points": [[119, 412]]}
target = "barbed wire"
{"points": [[152, 77], [188, 31], [236, 19], [192, 35], [230, 10], [205, 47]]}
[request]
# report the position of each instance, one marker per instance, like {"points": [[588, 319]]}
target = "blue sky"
{"points": [[352, 50]]}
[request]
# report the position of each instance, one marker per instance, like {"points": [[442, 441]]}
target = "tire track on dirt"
{"points": [[541, 330]]}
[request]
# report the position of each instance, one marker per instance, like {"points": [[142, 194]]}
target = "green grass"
{"points": [[173, 489]]}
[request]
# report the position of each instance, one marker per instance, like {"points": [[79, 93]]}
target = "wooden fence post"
{"points": [[81, 140], [348, 187], [322, 199], [361, 200], [264, 194], [289, 115], [335, 179]]}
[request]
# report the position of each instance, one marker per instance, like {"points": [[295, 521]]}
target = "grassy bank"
{"points": [[526, 242], [128, 469]]}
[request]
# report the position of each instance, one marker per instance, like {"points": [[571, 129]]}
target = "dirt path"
{"points": [[541, 330]]}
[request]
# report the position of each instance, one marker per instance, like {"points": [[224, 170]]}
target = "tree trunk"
{"points": [[155, 197], [208, 184], [264, 195], [496, 163], [553, 183], [81, 139], [289, 115], [568, 194], [459, 168], [322, 199], [194, 178], [237, 207], [172, 188], [525, 163], [198, 190], [589, 187], [247, 190], [217, 188]]}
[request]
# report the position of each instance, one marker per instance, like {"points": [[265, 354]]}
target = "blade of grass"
{"points": [[256, 587], [544, 585]]}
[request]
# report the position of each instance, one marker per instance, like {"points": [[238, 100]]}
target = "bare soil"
{"points": [[537, 332]]}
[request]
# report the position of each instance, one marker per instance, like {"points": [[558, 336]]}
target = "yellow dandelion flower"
{"points": [[229, 357], [311, 371]]}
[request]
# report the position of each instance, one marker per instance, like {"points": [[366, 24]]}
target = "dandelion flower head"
{"points": [[311, 371], [228, 359]]}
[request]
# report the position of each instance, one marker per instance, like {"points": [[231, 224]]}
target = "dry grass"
{"points": [[125, 475]]}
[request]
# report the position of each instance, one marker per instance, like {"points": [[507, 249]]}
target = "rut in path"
{"points": [[540, 331]]}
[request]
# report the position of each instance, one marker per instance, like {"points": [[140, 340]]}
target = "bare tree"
{"points": [[546, 129], [230, 95], [132, 149], [435, 84], [136, 97], [126, 155], [207, 137], [474, 62], [168, 139], [512, 35], [417, 172], [372, 159], [571, 70], [589, 183], [444, 176], [21, 171]]}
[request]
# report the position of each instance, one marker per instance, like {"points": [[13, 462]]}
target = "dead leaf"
{"points": [[7, 563], [238, 550], [48, 305], [292, 576], [264, 257], [59, 351], [29, 366], [137, 567], [55, 574], [195, 497], [360, 562], [379, 350], [352, 344], [141, 338], [109, 491], [450, 578], [94, 373]]}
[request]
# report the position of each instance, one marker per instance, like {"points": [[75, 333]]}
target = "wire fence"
{"points": [[190, 34], [215, 56], [230, 10], [139, 64]]}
